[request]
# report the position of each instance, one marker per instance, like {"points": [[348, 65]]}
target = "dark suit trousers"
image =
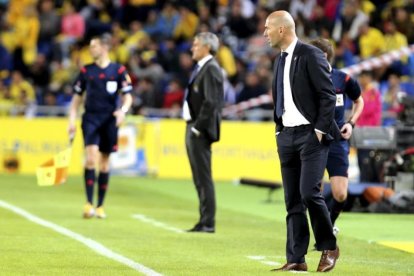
{"points": [[199, 155], [303, 160]]}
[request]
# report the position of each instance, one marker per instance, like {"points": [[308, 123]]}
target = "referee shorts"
{"points": [[101, 130], [338, 161]]}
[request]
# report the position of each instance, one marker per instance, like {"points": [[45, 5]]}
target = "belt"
{"points": [[298, 128]]}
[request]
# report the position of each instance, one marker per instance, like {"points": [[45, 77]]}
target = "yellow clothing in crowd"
{"points": [[395, 41], [187, 26], [22, 93], [226, 59], [16, 9], [119, 54], [24, 33], [135, 40], [142, 2], [372, 43]]}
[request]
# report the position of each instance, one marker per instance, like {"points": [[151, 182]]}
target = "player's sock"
{"points": [[89, 183], [103, 180], [336, 209]]}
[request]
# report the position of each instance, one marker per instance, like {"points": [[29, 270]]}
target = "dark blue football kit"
{"points": [[345, 87], [101, 100]]}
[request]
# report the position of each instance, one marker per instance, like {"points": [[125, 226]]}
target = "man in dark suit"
{"points": [[202, 112], [304, 100]]}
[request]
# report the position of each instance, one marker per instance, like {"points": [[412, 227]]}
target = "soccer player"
{"points": [[102, 81], [338, 163]]}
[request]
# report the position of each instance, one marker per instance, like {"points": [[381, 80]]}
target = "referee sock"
{"points": [[103, 180], [336, 209], [89, 183]]}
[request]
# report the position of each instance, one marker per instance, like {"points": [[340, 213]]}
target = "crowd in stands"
{"points": [[43, 44]]}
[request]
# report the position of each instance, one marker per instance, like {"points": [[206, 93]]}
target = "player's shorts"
{"points": [[338, 162], [100, 130]]}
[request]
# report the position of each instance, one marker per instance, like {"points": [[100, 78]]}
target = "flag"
{"points": [[54, 171]]}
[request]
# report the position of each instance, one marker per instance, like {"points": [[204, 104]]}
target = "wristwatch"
{"points": [[124, 109]]}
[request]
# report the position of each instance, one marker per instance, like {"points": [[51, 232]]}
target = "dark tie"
{"points": [[279, 85], [192, 77], [194, 73]]}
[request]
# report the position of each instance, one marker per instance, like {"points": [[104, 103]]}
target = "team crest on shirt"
{"points": [[111, 86], [195, 88]]}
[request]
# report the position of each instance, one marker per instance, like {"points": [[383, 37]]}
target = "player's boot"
{"points": [[100, 213], [88, 211]]}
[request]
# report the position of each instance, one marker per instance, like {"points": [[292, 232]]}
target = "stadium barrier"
{"points": [[153, 147]]}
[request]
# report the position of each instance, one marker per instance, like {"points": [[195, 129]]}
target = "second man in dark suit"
{"points": [[304, 99], [202, 111]]}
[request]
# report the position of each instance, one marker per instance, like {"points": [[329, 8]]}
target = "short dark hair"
{"points": [[368, 73], [326, 46], [105, 39]]}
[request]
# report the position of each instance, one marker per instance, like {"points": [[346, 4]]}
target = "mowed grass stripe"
{"points": [[245, 227], [95, 246]]}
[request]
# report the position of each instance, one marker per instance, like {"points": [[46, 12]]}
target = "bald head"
{"points": [[282, 18], [280, 29]]}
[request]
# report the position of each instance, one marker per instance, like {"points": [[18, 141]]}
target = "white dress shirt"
{"points": [[291, 116]]}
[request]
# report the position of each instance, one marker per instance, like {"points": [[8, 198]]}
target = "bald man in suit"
{"points": [[304, 100]]}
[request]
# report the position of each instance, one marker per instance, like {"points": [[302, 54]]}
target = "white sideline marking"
{"points": [[272, 263], [95, 246], [157, 223], [256, 257]]}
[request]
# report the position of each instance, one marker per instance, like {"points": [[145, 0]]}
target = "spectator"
{"points": [[22, 94], [370, 116], [239, 25], [6, 102], [173, 98], [371, 41], [144, 97], [404, 23], [39, 72], [394, 40], [252, 88], [22, 38], [161, 26], [136, 37], [303, 7], [349, 21], [144, 65], [6, 62], [187, 24], [49, 27], [72, 30], [393, 95], [226, 59]]}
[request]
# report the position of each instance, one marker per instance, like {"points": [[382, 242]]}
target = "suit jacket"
{"points": [[205, 99], [312, 89]]}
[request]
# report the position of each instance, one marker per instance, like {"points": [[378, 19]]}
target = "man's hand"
{"points": [[319, 135], [195, 131], [120, 116], [346, 131], [71, 130]]}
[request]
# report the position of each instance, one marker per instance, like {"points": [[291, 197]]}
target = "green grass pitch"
{"points": [[249, 239]]}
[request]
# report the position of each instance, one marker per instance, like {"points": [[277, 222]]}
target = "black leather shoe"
{"points": [[195, 228], [202, 228]]}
